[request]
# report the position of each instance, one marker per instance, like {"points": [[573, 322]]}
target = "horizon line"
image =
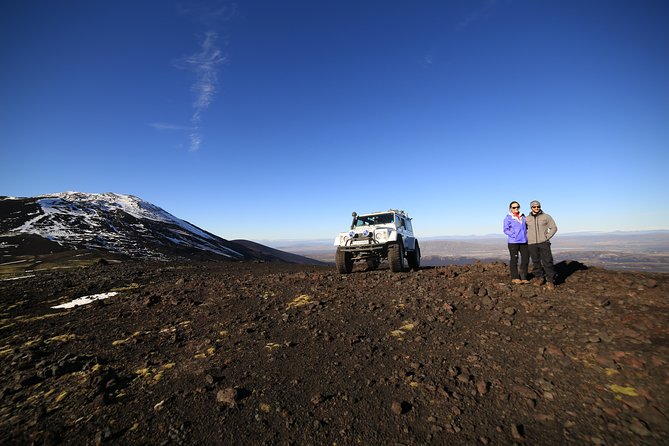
{"points": [[593, 232]]}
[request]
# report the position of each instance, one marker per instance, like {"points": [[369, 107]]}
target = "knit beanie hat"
{"points": [[535, 203]]}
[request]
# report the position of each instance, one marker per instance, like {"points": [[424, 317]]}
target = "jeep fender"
{"points": [[410, 243]]}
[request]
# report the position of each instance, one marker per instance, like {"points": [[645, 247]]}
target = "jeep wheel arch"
{"points": [[413, 257]]}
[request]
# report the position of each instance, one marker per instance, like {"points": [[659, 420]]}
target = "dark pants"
{"points": [[514, 249], [542, 257]]}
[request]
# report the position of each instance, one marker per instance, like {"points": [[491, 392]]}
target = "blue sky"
{"points": [[274, 120]]}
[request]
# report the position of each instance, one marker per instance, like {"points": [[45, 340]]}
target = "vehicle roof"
{"points": [[394, 211]]}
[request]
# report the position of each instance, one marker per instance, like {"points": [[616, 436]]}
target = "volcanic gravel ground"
{"points": [[253, 353]]}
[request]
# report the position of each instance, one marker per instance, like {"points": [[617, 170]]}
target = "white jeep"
{"points": [[376, 237]]}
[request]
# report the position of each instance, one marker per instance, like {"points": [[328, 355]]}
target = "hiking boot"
{"points": [[538, 281], [524, 281], [550, 286], [516, 281]]}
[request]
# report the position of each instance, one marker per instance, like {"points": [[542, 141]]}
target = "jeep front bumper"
{"points": [[367, 247]]}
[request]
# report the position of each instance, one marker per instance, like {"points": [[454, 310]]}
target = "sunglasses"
{"points": [[515, 207], [536, 207]]}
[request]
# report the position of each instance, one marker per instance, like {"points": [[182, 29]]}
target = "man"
{"points": [[540, 229]]}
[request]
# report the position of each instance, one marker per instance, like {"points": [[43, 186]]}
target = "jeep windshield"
{"points": [[376, 219]]}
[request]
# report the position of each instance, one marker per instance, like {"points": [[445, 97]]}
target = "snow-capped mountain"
{"points": [[116, 223]]}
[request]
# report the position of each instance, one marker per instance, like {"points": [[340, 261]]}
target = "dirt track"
{"points": [[245, 353]]}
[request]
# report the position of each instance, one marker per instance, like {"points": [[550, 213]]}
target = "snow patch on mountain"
{"points": [[118, 223]]}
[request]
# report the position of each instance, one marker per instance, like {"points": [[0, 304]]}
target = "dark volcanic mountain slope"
{"points": [[277, 254], [114, 223]]}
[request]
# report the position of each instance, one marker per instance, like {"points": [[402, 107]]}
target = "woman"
{"points": [[515, 228]]}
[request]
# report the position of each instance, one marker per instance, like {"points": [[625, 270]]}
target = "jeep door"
{"points": [[405, 230]]}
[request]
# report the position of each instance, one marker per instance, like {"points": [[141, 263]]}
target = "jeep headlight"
{"points": [[381, 236]]}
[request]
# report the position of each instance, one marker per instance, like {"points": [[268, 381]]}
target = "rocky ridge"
{"points": [[244, 353]]}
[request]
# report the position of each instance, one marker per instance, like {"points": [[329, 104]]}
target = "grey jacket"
{"points": [[540, 228]]}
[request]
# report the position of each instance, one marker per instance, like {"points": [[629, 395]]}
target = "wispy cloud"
{"points": [[428, 60], [481, 13], [168, 126], [209, 13], [204, 63]]}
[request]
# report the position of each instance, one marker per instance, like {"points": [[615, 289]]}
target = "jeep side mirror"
{"points": [[355, 219]]}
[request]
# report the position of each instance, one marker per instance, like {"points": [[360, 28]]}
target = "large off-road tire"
{"points": [[344, 261], [396, 257], [413, 257]]}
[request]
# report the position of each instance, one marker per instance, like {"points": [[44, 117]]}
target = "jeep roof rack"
{"points": [[398, 211]]}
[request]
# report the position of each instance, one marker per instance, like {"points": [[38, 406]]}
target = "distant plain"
{"points": [[630, 251]]}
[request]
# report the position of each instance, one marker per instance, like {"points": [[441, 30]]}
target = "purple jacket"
{"points": [[515, 228]]}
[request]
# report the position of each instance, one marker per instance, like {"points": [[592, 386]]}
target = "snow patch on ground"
{"points": [[17, 278], [11, 263], [85, 300]]}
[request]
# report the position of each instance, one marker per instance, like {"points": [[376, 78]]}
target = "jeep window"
{"points": [[378, 219]]}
